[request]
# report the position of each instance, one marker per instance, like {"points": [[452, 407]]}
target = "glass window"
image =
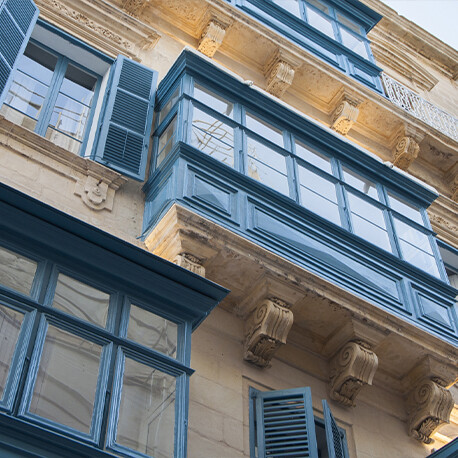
{"points": [[81, 300], [16, 271], [10, 326], [320, 22], [264, 129], [146, 421], [354, 43], [292, 6], [348, 23], [65, 387], [267, 166], [168, 106], [360, 183], [404, 208], [213, 137], [312, 157], [152, 330], [166, 141], [213, 100]]}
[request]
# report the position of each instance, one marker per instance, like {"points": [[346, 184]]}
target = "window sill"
{"points": [[95, 184]]}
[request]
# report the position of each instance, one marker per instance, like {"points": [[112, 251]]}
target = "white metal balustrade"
{"points": [[420, 108]]}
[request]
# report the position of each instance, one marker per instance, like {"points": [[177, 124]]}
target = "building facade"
{"points": [[302, 154]]}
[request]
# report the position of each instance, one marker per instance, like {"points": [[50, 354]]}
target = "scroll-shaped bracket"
{"points": [[346, 112], [214, 27], [280, 71], [266, 330], [352, 368]]}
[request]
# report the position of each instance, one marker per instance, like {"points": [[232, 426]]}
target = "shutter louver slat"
{"points": [[333, 436], [17, 18], [126, 124], [285, 424]]}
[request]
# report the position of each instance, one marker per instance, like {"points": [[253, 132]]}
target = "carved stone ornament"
{"points": [[212, 37], [266, 330], [95, 193], [405, 152], [454, 188], [279, 72], [134, 7], [344, 116], [429, 405], [352, 368], [191, 263]]}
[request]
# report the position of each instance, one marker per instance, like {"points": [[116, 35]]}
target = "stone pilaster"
{"points": [[279, 72], [213, 28], [190, 262], [352, 368], [345, 113], [266, 330]]}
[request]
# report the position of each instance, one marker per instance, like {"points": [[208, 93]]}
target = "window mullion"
{"points": [[51, 96]]}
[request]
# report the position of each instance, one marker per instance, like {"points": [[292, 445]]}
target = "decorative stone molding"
{"points": [[279, 72], [346, 111], [213, 28], [452, 179], [443, 216], [352, 368], [134, 7], [190, 262], [266, 330], [429, 405]]}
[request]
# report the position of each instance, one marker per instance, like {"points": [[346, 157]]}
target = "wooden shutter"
{"points": [[17, 18], [127, 117], [285, 426], [334, 439]]}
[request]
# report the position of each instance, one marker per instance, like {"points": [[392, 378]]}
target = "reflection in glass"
{"points": [[312, 157], [10, 326], [213, 100], [317, 183], [320, 22], [406, 209], [81, 300], [354, 43], [267, 166], [168, 106], [146, 421], [370, 232], [419, 258], [65, 387], [16, 272], [153, 331], [166, 141], [319, 5], [264, 129], [412, 235], [213, 137], [360, 183], [349, 23], [292, 6], [366, 209], [319, 205]]}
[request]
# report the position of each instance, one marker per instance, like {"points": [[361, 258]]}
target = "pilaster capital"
{"points": [[266, 330], [213, 26], [279, 72], [351, 368], [346, 110]]}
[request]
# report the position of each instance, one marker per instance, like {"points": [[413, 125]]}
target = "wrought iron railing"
{"points": [[420, 108]]}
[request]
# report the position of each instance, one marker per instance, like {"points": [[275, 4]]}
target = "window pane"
{"points": [[38, 63], [153, 331], [168, 106], [65, 387], [63, 140], [267, 166], [264, 129], [412, 235], [317, 159], [370, 232], [354, 43], [212, 100], [320, 22], [360, 183], [166, 141], [317, 183], [408, 210], [81, 300], [79, 85], [317, 4], [419, 258], [292, 6], [320, 205], [349, 23], [365, 209], [69, 117], [16, 272], [10, 326], [213, 137], [146, 420]]}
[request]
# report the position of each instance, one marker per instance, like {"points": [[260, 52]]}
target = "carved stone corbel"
{"points": [[266, 330], [190, 262], [406, 146], [279, 72], [429, 405], [346, 112], [213, 29], [352, 368]]}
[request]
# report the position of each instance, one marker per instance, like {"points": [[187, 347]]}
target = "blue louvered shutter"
{"points": [[127, 118], [285, 426], [334, 439], [17, 18]]}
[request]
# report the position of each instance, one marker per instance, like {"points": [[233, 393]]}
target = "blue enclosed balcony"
{"points": [[237, 157]]}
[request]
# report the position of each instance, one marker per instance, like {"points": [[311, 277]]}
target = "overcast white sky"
{"points": [[438, 17]]}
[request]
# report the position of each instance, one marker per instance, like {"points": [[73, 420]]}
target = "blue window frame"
{"points": [[334, 30], [245, 139]]}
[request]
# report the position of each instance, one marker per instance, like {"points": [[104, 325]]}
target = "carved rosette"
{"points": [[344, 116], [352, 368], [212, 37], [405, 152], [190, 262], [429, 406], [266, 330]]}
